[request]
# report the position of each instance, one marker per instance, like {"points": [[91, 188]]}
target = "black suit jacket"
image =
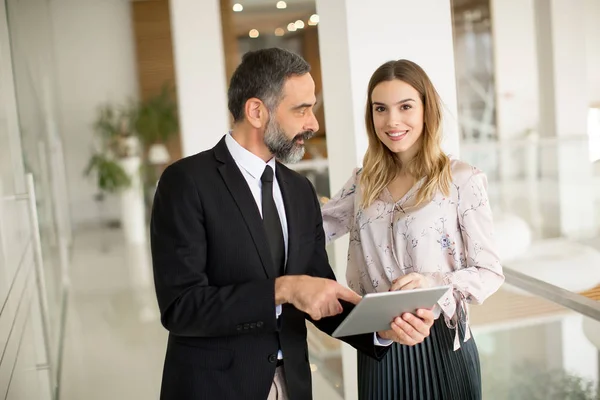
{"points": [[214, 281]]}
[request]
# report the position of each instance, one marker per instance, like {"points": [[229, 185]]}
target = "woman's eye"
{"points": [[379, 109], [406, 107]]}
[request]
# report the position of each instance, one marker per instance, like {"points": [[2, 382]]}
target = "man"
{"points": [[239, 253]]}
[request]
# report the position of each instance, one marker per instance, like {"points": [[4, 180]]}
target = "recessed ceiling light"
{"points": [[281, 5], [313, 20], [299, 24], [291, 27], [279, 32], [254, 34], [237, 7]]}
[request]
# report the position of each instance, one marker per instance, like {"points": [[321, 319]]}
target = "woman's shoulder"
{"points": [[462, 171]]}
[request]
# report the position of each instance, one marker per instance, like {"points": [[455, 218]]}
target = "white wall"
{"points": [[95, 63]]}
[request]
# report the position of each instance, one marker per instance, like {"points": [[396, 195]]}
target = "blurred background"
{"points": [[99, 96]]}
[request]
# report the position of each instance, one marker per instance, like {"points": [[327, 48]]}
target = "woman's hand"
{"points": [[410, 329], [410, 281]]}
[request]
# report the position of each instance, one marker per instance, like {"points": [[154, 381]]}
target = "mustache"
{"points": [[306, 135]]}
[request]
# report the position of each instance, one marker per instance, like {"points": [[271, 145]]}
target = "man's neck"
{"points": [[252, 140]]}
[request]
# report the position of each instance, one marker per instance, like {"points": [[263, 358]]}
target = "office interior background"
{"points": [[99, 96]]}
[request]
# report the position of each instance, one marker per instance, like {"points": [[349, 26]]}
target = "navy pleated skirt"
{"points": [[431, 370]]}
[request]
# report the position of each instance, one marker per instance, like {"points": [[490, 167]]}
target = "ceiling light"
{"points": [[237, 7], [299, 24], [291, 27], [253, 34], [313, 20], [281, 5], [280, 32]]}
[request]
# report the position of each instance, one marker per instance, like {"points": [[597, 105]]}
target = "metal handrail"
{"points": [[555, 294]]}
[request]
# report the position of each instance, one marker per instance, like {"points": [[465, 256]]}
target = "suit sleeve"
{"points": [[189, 304], [321, 268]]}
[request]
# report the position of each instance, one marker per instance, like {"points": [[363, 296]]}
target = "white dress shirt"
{"points": [[252, 168]]}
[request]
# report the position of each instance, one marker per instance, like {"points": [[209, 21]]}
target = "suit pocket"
{"points": [[202, 358]]}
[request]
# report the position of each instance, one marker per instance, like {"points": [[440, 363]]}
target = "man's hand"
{"points": [[410, 281], [410, 329], [318, 297]]}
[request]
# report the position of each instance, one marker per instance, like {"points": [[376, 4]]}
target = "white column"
{"points": [[563, 89], [517, 111], [592, 12], [515, 67], [517, 103], [355, 37], [200, 73]]}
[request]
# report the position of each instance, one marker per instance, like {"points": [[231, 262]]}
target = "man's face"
{"points": [[293, 121]]}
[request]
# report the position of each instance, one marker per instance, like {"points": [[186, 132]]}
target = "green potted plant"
{"points": [[156, 121], [127, 139], [115, 163]]}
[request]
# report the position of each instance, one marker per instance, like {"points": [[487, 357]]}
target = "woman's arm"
{"points": [[338, 213]]}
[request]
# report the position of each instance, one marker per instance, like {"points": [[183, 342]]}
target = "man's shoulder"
{"points": [[195, 163], [194, 168]]}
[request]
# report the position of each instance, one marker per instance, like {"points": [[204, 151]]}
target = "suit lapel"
{"points": [[292, 217], [239, 190]]}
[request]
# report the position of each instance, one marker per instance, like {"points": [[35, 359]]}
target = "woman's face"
{"points": [[398, 117]]}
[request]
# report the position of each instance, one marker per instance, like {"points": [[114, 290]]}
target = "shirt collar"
{"points": [[252, 163]]}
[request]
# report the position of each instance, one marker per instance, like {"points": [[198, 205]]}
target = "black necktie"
{"points": [[272, 223]]}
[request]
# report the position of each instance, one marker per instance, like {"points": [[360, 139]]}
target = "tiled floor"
{"points": [[114, 343]]}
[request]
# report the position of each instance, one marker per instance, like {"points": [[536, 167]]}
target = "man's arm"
{"points": [[189, 305], [320, 267]]}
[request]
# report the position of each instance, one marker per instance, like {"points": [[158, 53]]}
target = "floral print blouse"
{"points": [[449, 240]]}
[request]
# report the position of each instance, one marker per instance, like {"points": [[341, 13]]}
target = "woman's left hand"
{"points": [[410, 281]]}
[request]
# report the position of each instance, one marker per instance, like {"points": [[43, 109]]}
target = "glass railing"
{"points": [[550, 187], [535, 341]]}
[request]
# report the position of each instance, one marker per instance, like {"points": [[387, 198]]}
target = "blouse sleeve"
{"points": [[338, 212], [480, 273]]}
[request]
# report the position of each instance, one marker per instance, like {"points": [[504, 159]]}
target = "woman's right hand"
{"points": [[410, 329]]}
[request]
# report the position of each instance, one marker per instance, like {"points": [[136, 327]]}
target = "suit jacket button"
{"points": [[273, 358], [246, 326], [239, 327], [252, 325], [259, 324]]}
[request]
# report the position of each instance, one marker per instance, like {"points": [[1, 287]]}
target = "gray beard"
{"points": [[285, 150]]}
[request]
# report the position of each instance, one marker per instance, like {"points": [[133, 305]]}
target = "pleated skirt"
{"points": [[431, 370]]}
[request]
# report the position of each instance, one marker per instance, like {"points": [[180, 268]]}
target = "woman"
{"points": [[416, 219]]}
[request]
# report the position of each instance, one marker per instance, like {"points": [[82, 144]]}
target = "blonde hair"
{"points": [[380, 165]]}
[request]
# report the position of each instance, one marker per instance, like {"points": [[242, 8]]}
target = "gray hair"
{"points": [[262, 75]]}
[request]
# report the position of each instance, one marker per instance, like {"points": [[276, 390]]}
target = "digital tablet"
{"points": [[376, 311]]}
